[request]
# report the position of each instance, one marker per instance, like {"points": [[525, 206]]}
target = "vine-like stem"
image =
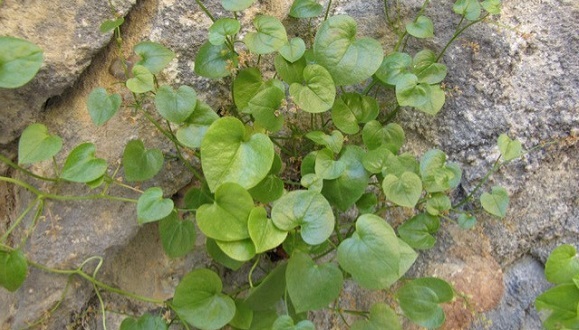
{"points": [[29, 208], [205, 10], [328, 10], [25, 171], [497, 164], [458, 32]]}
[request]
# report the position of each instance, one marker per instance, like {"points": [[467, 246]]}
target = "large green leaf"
{"points": [[230, 154], [177, 236], [470, 9], [403, 190], [426, 69], [192, 132], [222, 28], [36, 144], [269, 37], [20, 60], [510, 149], [312, 286], [293, 50], [349, 60], [285, 322], [236, 5], [214, 61], [143, 80], [145, 322], [290, 72], [176, 105], [562, 304], [496, 202], [81, 165], [226, 219], [375, 135], [307, 209], [318, 93], [154, 56], [198, 300], [420, 299], [264, 234], [352, 109], [562, 265], [382, 317], [102, 106], [269, 291], [421, 27], [151, 206], [394, 67], [139, 163], [417, 232], [373, 254], [13, 269], [305, 9]]}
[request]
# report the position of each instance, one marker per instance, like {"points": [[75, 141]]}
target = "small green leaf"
{"points": [[247, 83], [305, 9], [424, 97], [214, 61], [312, 286], [497, 202], [81, 165], [236, 5], [404, 190], [139, 163], [154, 56], [176, 105], [312, 182], [470, 9], [510, 149], [222, 28], [293, 50], [269, 291], [218, 255], [308, 209], [177, 236], [381, 317], [422, 27], [349, 60], [198, 300], [394, 67], [562, 265], [377, 160], [143, 80], [270, 35], [351, 109], [437, 204], [264, 234], [195, 197], [426, 68], [242, 250], [466, 221], [319, 91], [290, 72], [375, 135], [334, 141], [326, 167], [102, 106], [111, 24], [268, 190], [13, 269], [195, 127], [285, 322], [562, 302], [367, 203], [243, 316], [437, 175], [264, 106], [151, 206], [493, 7], [420, 299], [417, 231], [36, 144], [145, 322], [20, 60]]}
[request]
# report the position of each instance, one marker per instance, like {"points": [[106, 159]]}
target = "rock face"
{"points": [[516, 74]]}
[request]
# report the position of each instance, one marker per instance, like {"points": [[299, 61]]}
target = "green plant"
{"points": [[340, 150]]}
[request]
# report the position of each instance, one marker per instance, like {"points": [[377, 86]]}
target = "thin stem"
{"points": [[120, 184], [25, 171], [328, 10], [370, 86], [22, 184], [251, 271], [204, 9], [87, 197], [497, 164], [458, 32], [29, 208], [183, 160], [37, 215]]}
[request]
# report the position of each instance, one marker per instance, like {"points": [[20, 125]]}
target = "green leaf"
{"points": [[195, 197], [497, 202], [143, 80], [263, 320], [195, 127], [349, 60], [177, 236], [417, 231], [312, 286], [290, 72], [81, 165], [222, 28], [420, 299], [102, 106], [13, 269], [36, 144], [372, 254], [510, 149], [293, 50], [236, 5], [218, 255], [377, 160], [242, 250], [381, 317], [230, 154], [437, 175], [424, 97], [319, 91], [176, 105], [264, 234], [154, 56], [470, 9], [145, 322], [312, 182], [151, 206], [562, 265], [264, 107], [214, 61], [20, 60], [247, 83], [326, 167], [139, 163], [305, 9], [422, 27], [394, 67], [562, 302], [334, 141], [226, 219], [270, 35], [111, 24], [437, 204], [466, 221], [426, 68], [351, 109], [404, 190], [375, 135], [243, 316], [268, 190], [367, 203], [493, 7], [308, 209], [198, 300], [269, 291], [285, 322]]}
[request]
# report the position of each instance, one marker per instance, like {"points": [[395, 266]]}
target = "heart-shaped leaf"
{"points": [[381, 317], [349, 60], [470, 9], [319, 91], [13, 269], [375, 135], [466, 221], [312, 286], [404, 190], [20, 60], [313, 182], [417, 231], [269, 291], [243, 316], [36, 144], [285, 322], [394, 67], [334, 141], [437, 175], [420, 299], [218, 255], [352, 109], [424, 97], [81, 165], [247, 83], [375, 161], [111, 24], [367, 203], [326, 167], [195, 127], [143, 80], [222, 28], [139, 163], [154, 56], [264, 106], [290, 72], [102, 106], [493, 7], [177, 236], [510, 149], [422, 27], [497, 202], [562, 265], [151, 206], [236, 5], [426, 68], [214, 61], [438, 204], [242, 250], [308, 209], [293, 50], [198, 300], [560, 304], [145, 322], [176, 106], [226, 219], [268, 190], [305, 9], [264, 234], [270, 35], [230, 154]]}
